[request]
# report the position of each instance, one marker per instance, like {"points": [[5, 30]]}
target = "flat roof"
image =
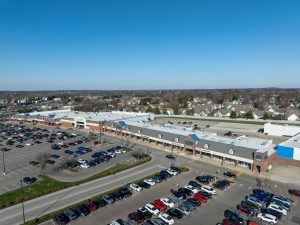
{"points": [[261, 145], [293, 142]]}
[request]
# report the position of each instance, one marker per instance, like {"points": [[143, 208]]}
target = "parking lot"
{"points": [[209, 213], [17, 158]]}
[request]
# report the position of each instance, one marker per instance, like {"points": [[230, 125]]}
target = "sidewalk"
{"points": [[285, 174]]}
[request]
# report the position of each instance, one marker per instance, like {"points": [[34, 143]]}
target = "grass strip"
{"points": [[47, 185]]}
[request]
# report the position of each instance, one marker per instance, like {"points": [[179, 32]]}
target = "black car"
{"points": [[194, 201], [158, 178], [61, 219], [251, 205], [233, 216], [165, 174], [117, 195], [144, 185], [170, 157], [194, 184], [49, 161], [219, 185], [29, 180], [178, 170], [69, 152], [54, 156], [272, 212], [136, 217], [205, 194], [20, 146], [145, 213], [179, 195], [175, 213], [82, 210], [202, 179], [229, 174], [185, 191], [125, 192], [100, 202]]}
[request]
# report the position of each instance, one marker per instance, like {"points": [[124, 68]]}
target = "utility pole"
{"points": [[3, 161], [22, 199]]}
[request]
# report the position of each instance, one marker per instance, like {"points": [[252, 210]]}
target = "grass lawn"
{"points": [[48, 185]]}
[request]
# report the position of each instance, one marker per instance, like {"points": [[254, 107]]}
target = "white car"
{"points": [[29, 144], [172, 172], [82, 161], [150, 181], [208, 189], [277, 208], [135, 187], [168, 202], [193, 189], [152, 209], [167, 218], [267, 218], [282, 200], [84, 165]]}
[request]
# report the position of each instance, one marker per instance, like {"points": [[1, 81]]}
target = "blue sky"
{"points": [[149, 44]]}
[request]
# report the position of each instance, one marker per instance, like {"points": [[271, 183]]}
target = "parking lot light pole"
{"points": [[3, 161], [22, 199]]}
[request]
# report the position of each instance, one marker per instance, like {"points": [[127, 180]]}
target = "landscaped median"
{"points": [[49, 216], [47, 185]]}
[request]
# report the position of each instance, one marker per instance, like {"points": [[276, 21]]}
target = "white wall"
{"points": [[296, 154], [281, 130]]}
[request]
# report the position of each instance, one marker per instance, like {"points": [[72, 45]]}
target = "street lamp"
{"points": [[3, 161], [22, 199]]}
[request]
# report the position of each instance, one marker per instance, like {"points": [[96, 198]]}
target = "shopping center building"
{"points": [[259, 155]]}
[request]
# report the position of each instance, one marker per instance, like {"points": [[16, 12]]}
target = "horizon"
{"points": [[134, 45]]}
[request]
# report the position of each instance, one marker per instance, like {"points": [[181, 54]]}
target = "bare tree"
{"points": [[42, 158]]}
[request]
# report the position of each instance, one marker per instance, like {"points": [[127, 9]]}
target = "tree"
{"points": [[249, 115], [233, 115], [165, 112], [235, 97], [156, 110], [190, 112], [42, 158], [267, 116]]}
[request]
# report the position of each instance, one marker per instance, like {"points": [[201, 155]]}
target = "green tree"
{"points": [[249, 115], [267, 116], [190, 112], [233, 115], [235, 97], [156, 110]]}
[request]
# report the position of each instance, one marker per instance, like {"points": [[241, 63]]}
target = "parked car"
{"points": [[229, 214], [194, 184], [61, 219], [175, 213], [254, 200], [277, 208], [167, 218], [151, 208], [272, 212], [168, 202], [294, 192], [109, 199], [209, 189], [267, 218], [160, 205], [71, 214], [200, 197], [170, 157], [185, 191], [136, 217], [82, 210], [135, 187]]}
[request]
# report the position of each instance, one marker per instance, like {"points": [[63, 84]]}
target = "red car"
{"points": [[243, 209], [38, 142], [230, 222], [91, 206], [200, 198], [294, 192], [160, 205]]}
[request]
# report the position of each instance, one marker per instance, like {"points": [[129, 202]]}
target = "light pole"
{"points": [[22, 199], [3, 161]]}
